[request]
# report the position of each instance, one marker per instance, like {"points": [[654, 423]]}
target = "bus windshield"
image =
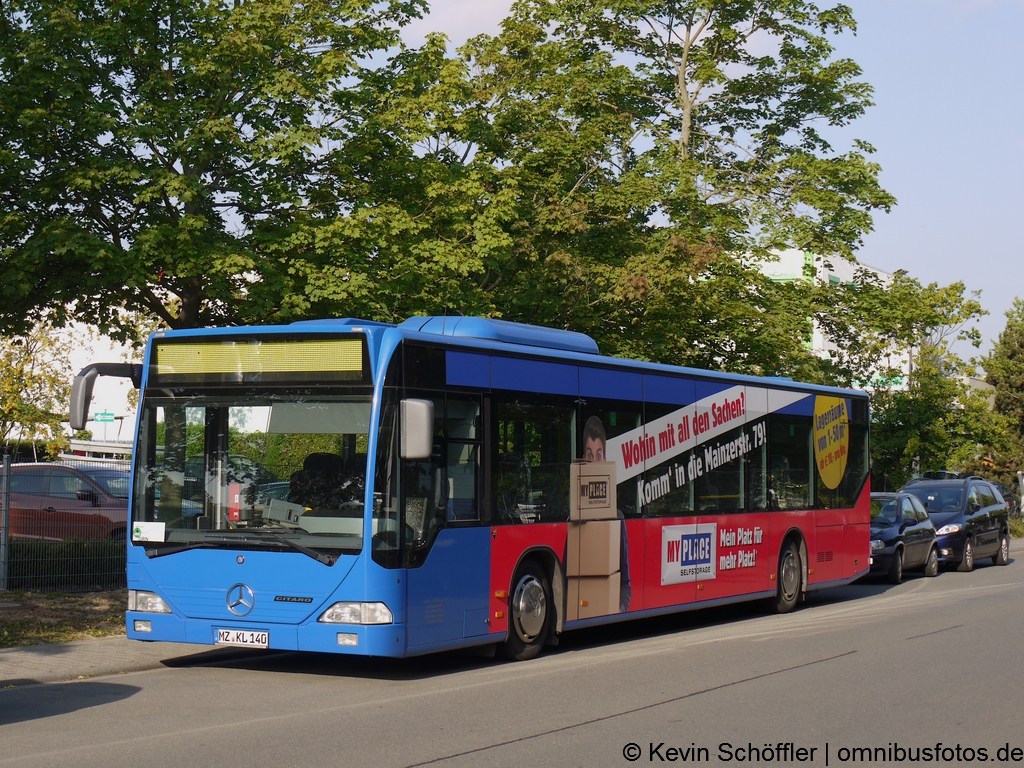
{"points": [[275, 471]]}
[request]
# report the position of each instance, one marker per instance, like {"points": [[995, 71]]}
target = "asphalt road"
{"points": [[867, 666]]}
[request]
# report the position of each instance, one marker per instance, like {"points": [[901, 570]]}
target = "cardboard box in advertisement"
{"points": [[594, 548], [592, 596], [592, 490]]}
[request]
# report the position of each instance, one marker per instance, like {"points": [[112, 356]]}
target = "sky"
{"points": [[948, 126]]}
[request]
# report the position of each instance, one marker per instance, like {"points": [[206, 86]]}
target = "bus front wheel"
{"points": [[789, 578], [530, 612]]}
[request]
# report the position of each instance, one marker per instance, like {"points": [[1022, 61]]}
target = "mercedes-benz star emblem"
{"points": [[241, 599]]}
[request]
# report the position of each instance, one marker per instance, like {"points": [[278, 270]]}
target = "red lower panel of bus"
{"points": [[612, 566]]}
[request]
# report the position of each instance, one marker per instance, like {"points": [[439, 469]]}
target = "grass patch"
{"points": [[56, 617], [1017, 527]]}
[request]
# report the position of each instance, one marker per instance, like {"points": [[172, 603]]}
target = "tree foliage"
{"points": [[580, 171], [1004, 367], [595, 166], [874, 325], [159, 156], [718, 108], [35, 384], [939, 422], [934, 419]]}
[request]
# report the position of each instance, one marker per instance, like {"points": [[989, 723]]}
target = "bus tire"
{"points": [[530, 612], [789, 577]]}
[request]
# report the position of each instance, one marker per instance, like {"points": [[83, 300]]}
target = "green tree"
{"points": [[874, 326], [35, 384], [159, 156], [716, 105], [578, 170], [937, 423], [1004, 367]]}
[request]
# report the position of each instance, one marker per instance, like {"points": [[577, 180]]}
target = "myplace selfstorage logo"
{"points": [[688, 553], [594, 492]]}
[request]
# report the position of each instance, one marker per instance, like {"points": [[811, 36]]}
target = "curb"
{"points": [[88, 659]]}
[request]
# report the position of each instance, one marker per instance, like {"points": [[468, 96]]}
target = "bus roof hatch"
{"points": [[503, 331]]}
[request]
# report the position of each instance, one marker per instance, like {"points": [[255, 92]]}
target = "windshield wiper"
{"points": [[254, 536], [320, 557], [180, 548]]}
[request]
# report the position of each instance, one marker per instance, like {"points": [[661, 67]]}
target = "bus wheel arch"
{"points": [[533, 612]]}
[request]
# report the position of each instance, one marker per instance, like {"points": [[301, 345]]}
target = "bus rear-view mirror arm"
{"points": [[81, 390], [417, 429]]}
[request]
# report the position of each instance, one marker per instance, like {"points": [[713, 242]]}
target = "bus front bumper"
{"points": [[353, 639]]}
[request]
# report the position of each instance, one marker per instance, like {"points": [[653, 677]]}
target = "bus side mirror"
{"points": [[81, 390], [417, 429], [81, 396]]}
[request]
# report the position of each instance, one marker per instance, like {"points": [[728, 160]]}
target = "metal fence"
{"points": [[63, 525]]}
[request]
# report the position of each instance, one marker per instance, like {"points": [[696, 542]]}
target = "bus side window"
{"points": [[790, 461], [535, 446], [463, 461], [462, 436]]}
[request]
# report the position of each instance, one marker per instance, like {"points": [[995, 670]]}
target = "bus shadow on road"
{"points": [[330, 665], [35, 702]]}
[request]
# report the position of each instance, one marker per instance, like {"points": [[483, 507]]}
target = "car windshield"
{"points": [[113, 481], [939, 498], [252, 471], [884, 511]]}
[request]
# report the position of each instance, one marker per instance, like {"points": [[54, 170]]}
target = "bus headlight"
{"points": [[357, 613], [147, 602]]}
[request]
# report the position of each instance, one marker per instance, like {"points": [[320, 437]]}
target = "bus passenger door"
{"points": [[447, 550]]}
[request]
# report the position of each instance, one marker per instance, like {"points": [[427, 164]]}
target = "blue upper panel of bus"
{"points": [[496, 354], [490, 355]]}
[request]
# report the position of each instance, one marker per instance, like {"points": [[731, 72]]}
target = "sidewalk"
{"points": [[85, 659]]}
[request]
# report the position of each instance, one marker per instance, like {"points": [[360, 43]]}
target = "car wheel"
{"points": [[530, 612], [967, 563], [790, 578], [896, 567], [931, 565], [1002, 557]]}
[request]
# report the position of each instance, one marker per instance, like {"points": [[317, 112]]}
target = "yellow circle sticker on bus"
{"points": [[831, 438]]}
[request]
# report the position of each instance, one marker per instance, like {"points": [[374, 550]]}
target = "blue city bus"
{"points": [[356, 487]]}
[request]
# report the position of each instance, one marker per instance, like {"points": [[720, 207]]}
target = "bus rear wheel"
{"points": [[789, 577], [529, 614]]}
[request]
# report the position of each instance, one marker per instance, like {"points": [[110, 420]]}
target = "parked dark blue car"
{"points": [[902, 536], [970, 519]]}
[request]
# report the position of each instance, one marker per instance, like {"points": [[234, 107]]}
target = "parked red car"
{"points": [[53, 502]]}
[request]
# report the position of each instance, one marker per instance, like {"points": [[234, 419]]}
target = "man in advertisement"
{"points": [[594, 445]]}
